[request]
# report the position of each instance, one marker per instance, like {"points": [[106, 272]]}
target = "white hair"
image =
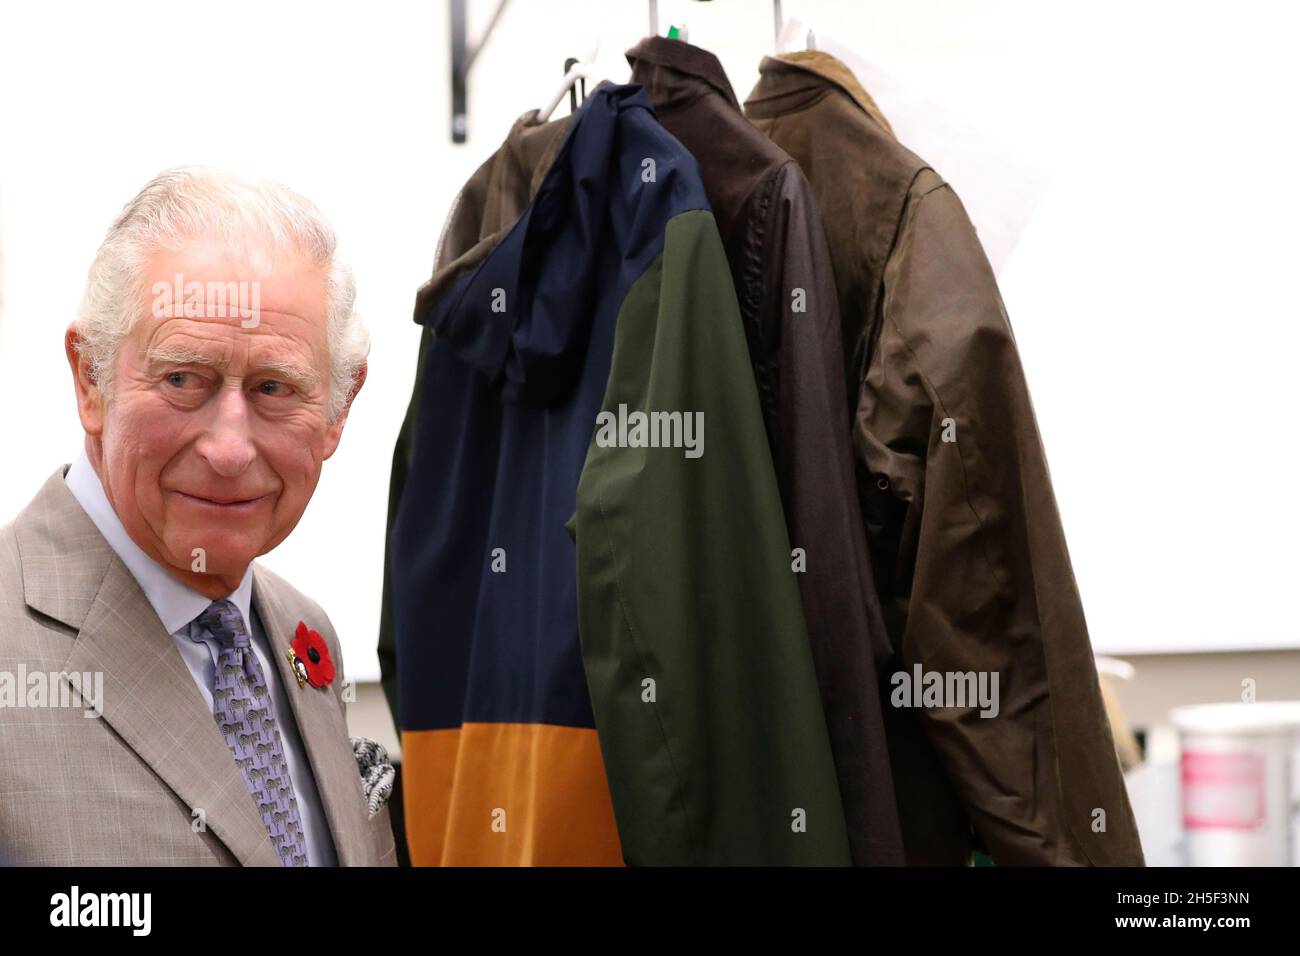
{"points": [[184, 204]]}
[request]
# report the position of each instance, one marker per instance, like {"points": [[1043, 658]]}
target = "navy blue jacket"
{"points": [[482, 570]]}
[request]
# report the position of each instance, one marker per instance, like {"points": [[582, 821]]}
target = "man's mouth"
{"points": [[222, 502]]}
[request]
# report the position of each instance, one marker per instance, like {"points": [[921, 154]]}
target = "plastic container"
{"points": [[1240, 774]]}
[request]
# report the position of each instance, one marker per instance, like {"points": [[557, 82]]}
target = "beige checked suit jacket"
{"points": [[123, 788]]}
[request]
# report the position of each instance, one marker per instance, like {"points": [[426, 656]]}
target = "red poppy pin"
{"points": [[310, 657]]}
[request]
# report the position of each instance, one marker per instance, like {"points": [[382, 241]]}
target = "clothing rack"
{"points": [[463, 55]]}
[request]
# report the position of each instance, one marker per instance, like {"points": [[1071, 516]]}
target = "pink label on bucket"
{"points": [[1223, 790]]}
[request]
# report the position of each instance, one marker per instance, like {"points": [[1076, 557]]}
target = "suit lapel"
{"points": [[322, 727], [149, 696]]}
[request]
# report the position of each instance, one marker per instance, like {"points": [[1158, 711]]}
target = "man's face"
{"points": [[217, 428]]}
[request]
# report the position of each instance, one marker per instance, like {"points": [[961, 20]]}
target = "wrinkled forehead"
{"points": [[234, 285], [274, 302]]}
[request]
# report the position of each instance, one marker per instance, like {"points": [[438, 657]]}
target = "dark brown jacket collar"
{"points": [[791, 80], [683, 72]]}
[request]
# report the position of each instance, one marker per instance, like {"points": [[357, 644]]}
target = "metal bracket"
{"points": [[462, 61]]}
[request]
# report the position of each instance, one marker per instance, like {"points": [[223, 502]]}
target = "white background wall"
{"points": [[1152, 294]]}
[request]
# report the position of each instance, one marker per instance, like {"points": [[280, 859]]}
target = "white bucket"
{"points": [[1240, 783]]}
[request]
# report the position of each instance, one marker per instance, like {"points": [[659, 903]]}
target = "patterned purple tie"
{"points": [[242, 708]]}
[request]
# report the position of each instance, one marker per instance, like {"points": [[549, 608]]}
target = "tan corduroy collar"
{"points": [[788, 73]]}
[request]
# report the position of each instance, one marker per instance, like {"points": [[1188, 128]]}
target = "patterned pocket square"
{"points": [[376, 772]]}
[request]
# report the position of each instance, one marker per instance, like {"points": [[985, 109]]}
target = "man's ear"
{"points": [[90, 400], [335, 431]]}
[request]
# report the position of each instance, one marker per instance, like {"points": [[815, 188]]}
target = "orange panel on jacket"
{"points": [[508, 794]]}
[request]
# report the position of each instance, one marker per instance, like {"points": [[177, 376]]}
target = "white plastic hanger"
{"points": [[999, 188], [785, 31], [596, 65], [583, 69], [787, 37]]}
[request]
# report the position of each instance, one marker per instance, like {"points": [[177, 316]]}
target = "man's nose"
{"points": [[227, 443]]}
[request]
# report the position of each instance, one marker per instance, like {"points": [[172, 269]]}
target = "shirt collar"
{"points": [[784, 76], [683, 75], [175, 602]]}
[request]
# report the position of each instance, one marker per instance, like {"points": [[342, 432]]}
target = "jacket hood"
{"points": [[485, 307]]}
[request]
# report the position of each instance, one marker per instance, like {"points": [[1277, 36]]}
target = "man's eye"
{"points": [[272, 387], [180, 379]]}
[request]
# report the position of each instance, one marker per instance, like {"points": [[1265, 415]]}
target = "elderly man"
{"points": [[167, 700]]}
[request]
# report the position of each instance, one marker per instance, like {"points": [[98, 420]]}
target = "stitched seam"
{"points": [[640, 656], [961, 460], [883, 293], [764, 360]]}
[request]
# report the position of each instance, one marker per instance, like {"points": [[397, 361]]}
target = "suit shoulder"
{"points": [[28, 637], [298, 605], [8, 553], [11, 580], [293, 599]]}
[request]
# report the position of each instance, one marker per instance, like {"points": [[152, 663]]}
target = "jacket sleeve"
{"points": [[693, 638], [801, 326], [459, 236], [402, 452], [979, 577]]}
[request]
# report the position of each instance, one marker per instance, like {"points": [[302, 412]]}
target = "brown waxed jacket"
{"points": [[966, 542], [776, 249]]}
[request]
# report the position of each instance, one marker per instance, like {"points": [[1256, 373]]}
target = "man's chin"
{"points": [[214, 556]]}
